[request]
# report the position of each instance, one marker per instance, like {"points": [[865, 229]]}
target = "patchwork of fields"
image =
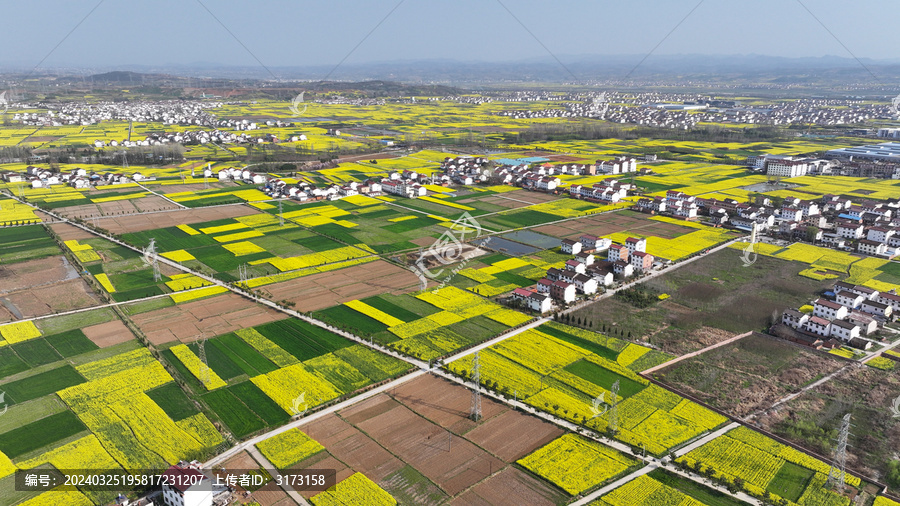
{"points": [[130, 386]]}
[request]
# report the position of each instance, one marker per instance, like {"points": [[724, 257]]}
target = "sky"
{"points": [[324, 33]]}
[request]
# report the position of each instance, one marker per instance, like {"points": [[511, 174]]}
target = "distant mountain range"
{"points": [[750, 68]]}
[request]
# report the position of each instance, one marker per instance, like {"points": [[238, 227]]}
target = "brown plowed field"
{"points": [[149, 221], [331, 288], [417, 442], [609, 223], [53, 298], [33, 273], [215, 316], [511, 486], [116, 207], [108, 334]]}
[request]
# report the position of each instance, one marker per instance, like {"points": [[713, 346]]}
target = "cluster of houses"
{"points": [[675, 203], [304, 191], [676, 110], [466, 170], [199, 137], [167, 112], [607, 191], [866, 226], [76, 178], [584, 274], [835, 163], [851, 313], [472, 170], [407, 183]]}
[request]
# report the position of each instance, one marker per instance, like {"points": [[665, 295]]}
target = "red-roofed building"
{"points": [[819, 326], [829, 310], [575, 265], [642, 261], [563, 291], [543, 285], [617, 252], [521, 293]]}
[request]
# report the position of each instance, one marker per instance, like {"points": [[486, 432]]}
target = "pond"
{"points": [[506, 246], [533, 239]]}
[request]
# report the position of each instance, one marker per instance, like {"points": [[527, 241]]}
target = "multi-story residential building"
{"points": [[829, 310], [844, 330], [876, 308], [850, 229], [635, 244], [561, 290], [586, 284], [576, 266], [873, 248], [570, 247], [794, 319], [539, 302], [617, 252], [642, 261], [818, 326], [879, 234], [623, 269], [849, 299]]}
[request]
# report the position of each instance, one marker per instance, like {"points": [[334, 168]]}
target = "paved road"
{"points": [[705, 439], [264, 462], [111, 304], [821, 381], [162, 196], [695, 353], [500, 338]]}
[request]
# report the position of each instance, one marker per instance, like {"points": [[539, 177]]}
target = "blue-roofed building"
{"points": [[887, 152], [520, 161]]}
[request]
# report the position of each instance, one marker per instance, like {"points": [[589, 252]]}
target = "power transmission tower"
{"points": [[152, 259], [242, 272], [280, 212], [476, 392], [204, 368], [614, 409], [838, 465]]}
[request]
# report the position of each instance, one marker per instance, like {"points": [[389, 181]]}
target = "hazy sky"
{"points": [[299, 33]]}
